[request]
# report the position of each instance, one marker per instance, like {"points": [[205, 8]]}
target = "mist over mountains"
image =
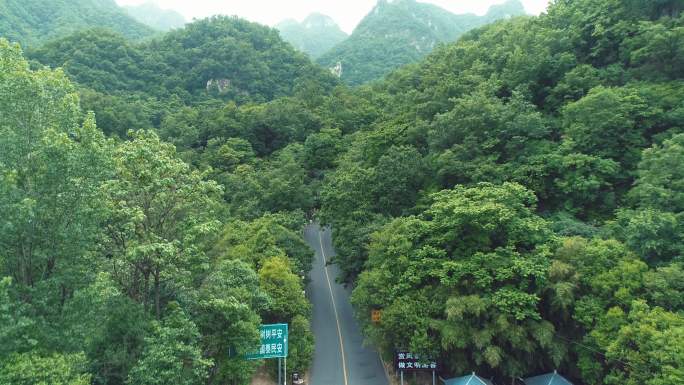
{"points": [[400, 32], [392, 34], [152, 15], [315, 35]]}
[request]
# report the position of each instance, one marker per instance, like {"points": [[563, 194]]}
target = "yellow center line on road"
{"points": [[337, 319]]}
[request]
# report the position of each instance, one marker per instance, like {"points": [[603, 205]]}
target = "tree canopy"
{"points": [[512, 203], [400, 32], [515, 200], [33, 22], [111, 273]]}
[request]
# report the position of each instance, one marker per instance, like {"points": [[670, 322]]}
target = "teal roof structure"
{"points": [[471, 379], [547, 379]]}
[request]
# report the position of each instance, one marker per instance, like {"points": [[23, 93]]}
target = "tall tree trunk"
{"points": [[156, 293], [63, 298], [146, 290]]}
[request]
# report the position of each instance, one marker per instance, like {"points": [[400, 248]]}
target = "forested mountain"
{"points": [[220, 58], [518, 206], [511, 204], [138, 261], [151, 15], [400, 32], [32, 22], [314, 36]]}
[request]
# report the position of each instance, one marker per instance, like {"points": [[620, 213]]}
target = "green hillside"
{"points": [[32, 22], [224, 57], [314, 36], [512, 204], [400, 32], [151, 15], [210, 60], [518, 205]]}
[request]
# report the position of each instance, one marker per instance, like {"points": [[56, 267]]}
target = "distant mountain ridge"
{"points": [[151, 15], [315, 35], [218, 57], [400, 32], [32, 22]]}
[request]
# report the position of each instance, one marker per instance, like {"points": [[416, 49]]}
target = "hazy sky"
{"points": [[347, 13]]}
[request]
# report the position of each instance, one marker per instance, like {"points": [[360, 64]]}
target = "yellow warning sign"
{"points": [[376, 316]]}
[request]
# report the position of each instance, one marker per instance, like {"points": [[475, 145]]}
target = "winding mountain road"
{"points": [[340, 357]]}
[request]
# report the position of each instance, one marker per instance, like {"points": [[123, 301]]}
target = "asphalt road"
{"points": [[340, 358]]}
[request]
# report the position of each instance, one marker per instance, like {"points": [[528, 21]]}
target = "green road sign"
{"points": [[273, 342]]}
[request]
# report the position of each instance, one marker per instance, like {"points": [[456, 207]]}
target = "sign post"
{"points": [[407, 361], [273, 342], [273, 345]]}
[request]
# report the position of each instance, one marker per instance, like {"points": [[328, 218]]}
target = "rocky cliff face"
{"points": [[220, 85]]}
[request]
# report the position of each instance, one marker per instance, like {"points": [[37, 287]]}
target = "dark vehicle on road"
{"points": [[297, 379]]}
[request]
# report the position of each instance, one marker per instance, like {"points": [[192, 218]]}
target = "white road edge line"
{"points": [[332, 298], [384, 367]]}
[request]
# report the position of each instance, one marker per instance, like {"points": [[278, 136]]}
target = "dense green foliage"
{"points": [[518, 202], [153, 84], [513, 204], [32, 22], [151, 15], [314, 36], [110, 264], [400, 32], [477, 256], [224, 57]]}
